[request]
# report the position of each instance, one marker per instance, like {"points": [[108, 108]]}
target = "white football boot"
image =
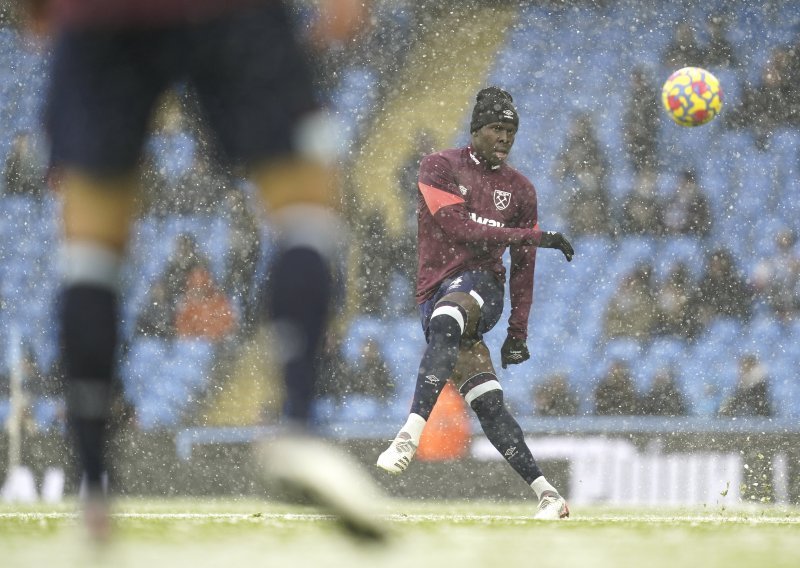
{"points": [[399, 454], [311, 469], [552, 507]]}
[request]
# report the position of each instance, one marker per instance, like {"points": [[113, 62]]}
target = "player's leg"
{"points": [[96, 220], [268, 119], [482, 391], [99, 100], [265, 117], [455, 314], [310, 235]]}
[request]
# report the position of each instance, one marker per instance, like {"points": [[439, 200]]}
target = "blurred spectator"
{"points": [[631, 311], [683, 49], [204, 310], [642, 122], [687, 211], [772, 102], [588, 208], [368, 375], [404, 245], [375, 267], [185, 257], [582, 157], [335, 371], [554, 397], [25, 168], [615, 394], [674, 303], [371, 375], [776, 278], [408, 173], [157, 316], [664, 397], [719, 51], [723, 291], [242, 254], [751, 396], [642, 212]]}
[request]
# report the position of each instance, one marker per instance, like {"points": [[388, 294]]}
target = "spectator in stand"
{"points": [[554, 397], [408, 174], [642, 122], [664, 397], [204, 311], [674, 303], [632, 309], [615, 394], [185, 257], [588, 211], [751, 397], [404, 246], [242, 254], [25, 168], [371, 375], [767, 105], [375, 266], [687, 211], [683, 50], [642, 212], [719, 51], [582, 155], [723, 290], [157, 317], [776, 279], [582, 166]]}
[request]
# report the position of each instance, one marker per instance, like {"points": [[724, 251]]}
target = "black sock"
{"points": [[299, 299], [88, 340], [437, 364], [505, 434]]}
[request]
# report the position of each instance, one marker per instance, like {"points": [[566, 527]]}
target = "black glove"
{"points": [[514, 352], [554, 240]]}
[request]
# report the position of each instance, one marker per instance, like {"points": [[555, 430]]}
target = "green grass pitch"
{"points": [[245, 533]]}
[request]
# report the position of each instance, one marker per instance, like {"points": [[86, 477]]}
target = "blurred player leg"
{"points": [[96, 216], [267, 118], [300, 196]]}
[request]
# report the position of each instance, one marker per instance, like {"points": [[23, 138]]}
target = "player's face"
{"points": [[493, 142]]}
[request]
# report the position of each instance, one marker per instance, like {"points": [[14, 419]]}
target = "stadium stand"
{"points": [[557, 61]]}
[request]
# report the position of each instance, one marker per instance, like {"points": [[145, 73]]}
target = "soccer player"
{"points": [[244, 61], [472, 206]]}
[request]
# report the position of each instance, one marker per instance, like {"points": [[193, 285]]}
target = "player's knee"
{"points": [[88, 331], [447, 323], [486, 398]]}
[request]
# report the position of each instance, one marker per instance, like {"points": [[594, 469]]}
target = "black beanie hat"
{"points": [[494, 105]]}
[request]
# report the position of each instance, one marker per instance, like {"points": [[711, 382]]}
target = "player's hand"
{"points": [[514, 352], [554, 240]]}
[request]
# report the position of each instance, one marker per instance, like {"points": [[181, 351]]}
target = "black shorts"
{"points": [[252, 80], [485, 286]]}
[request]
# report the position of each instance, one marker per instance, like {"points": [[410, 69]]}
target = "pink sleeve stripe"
{"points": [[436, 198]]}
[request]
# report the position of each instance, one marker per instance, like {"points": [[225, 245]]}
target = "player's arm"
{"points": [[520, 287], [440, 192]]}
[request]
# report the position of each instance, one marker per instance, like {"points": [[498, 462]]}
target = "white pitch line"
{"points": [[754, 519]]}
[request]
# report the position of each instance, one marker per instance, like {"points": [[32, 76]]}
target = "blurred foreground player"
{"points": [[472, 206], [112, 60]]}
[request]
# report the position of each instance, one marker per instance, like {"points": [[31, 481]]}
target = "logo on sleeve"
{"points": [[502, 199]]}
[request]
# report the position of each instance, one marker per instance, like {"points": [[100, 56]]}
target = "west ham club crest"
{"points": [[501, 199]]}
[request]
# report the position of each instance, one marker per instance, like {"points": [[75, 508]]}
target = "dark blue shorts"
{"points": [[251, 78], [486, 285]]}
